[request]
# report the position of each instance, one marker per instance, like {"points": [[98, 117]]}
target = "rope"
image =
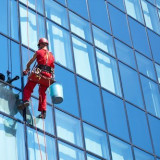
{"points": [[31, 100]]}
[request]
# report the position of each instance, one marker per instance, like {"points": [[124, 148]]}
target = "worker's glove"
{"points": [[25, 72]]}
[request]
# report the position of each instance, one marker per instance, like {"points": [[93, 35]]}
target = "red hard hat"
{"points": [[42, 40]]}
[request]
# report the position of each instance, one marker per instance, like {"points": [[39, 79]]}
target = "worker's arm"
{"points": [[31, 61]]}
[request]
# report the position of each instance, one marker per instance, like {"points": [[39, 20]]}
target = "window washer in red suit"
{"points": [[45, 62]]}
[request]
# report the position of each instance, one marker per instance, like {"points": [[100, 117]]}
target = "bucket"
{"points": [[56, 93]]}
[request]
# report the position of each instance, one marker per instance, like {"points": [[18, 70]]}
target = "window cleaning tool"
{"points": [[56, 93]]}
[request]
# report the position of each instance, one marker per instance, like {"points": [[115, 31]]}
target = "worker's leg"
{"points": [[28, 90], [42, 98]]}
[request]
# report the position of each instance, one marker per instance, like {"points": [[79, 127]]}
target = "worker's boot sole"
{"points": [[23, 105]]}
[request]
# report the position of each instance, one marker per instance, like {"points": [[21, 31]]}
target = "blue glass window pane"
{"points": [[139, 128], [9, 18], [151, 16], [34, 4], [79, 6], [125, 53], [56, 12], [67, 152], [118, 3], [103, 40], [36, 27], [119, 25], [59, 40], [70, 103], [68, 128], [96, 141], [145, 66], [108, 72], [32, 118], [89, 157], [101, 17], [90, 102], [11, 139], [44, 140], [151, 96], [151, 1], [139, 37], [158, 71], [80, 27], [84, 59], [9, 100], [120, 150], [131, 86], [140, 155], [155, 132], [158, 3], [155, 47], [134, 9], [115, 115], [10, 60]]}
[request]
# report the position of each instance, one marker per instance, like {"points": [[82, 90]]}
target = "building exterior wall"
{"points": [[107, 57]]}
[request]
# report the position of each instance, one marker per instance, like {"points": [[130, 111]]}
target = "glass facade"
{"points": [[107, 57]]}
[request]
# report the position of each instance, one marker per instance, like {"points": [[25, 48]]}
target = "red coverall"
{"points": [[41, 58]]}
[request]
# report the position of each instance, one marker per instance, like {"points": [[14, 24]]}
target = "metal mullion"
{"points": [[76, 82], [124, 101], [150, 134], [11, 117], [22, 82], [99, 81]]}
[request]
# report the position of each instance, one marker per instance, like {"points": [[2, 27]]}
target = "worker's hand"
{"points": [[25, 72]]}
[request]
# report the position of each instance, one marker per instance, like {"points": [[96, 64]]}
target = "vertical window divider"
{"points": [[76, 83], [22, 81], [100, 88]]}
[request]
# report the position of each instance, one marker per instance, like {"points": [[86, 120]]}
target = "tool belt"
{"points": [[37, 75], [45, 68]]}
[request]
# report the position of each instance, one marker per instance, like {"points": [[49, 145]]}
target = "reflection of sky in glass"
{"points": [[69, 152], [68, 128]]}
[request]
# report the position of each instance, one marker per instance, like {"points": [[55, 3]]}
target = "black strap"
{"points": [[44, 67]]}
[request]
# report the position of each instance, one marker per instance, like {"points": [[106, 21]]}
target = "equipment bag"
{"points": [[38, 76]]}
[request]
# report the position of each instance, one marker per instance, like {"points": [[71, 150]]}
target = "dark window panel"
{"points": [[155, 131], [119, 4], [139, 155], [90, 102], [131, 86], [155, 47], [67, 79], [9, 18], [79, 6], [139, 128], [115, 116], [98, 13], [139, 37]]}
